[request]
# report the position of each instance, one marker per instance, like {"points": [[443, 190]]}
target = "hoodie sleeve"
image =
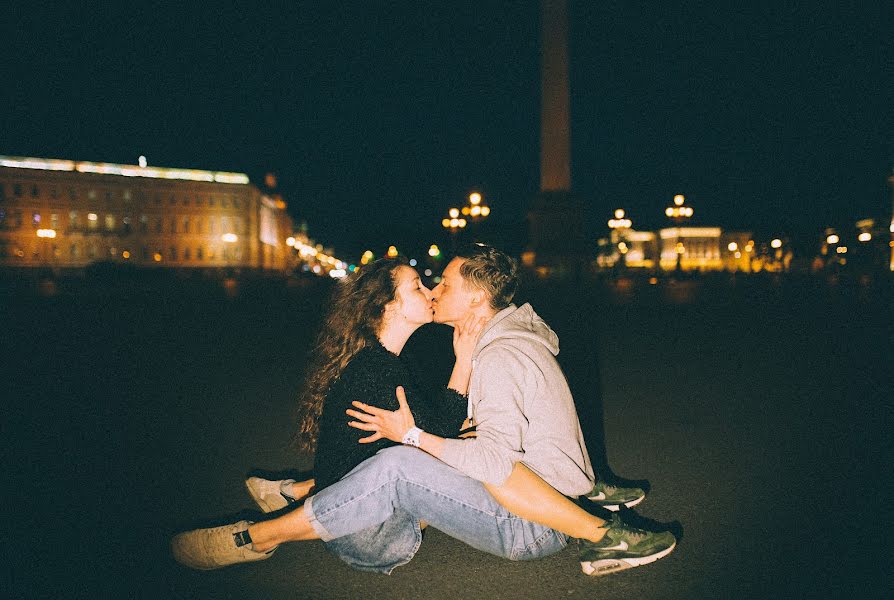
{"points": [[500, 419]]}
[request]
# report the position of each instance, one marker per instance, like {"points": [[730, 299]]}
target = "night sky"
{"points": [[378, 116]]}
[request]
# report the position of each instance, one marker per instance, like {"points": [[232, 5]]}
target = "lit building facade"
{"points": [[68, 214], [679, 248]]}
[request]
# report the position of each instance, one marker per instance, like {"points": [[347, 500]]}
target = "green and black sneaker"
{"points": [[612, 497], [623, 547]]}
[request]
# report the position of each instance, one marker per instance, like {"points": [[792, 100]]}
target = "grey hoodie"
{"points": [[521, 404]]}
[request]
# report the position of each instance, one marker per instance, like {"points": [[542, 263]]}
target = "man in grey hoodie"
{"points": [[524, 420]]}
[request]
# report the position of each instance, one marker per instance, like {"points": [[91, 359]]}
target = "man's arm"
{"points": [[501, 423]]}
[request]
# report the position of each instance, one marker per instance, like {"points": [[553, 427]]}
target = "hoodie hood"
{"points": [[516, 324]]}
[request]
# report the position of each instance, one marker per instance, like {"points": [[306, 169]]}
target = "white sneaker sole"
{"points": [[616, 507], [607, 566], [254, 491]]}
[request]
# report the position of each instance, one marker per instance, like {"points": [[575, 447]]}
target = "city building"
{"points": [[69, 214], [679, 248]]}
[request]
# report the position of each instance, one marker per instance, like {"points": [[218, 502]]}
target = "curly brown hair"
{"points": [[356, 311]]}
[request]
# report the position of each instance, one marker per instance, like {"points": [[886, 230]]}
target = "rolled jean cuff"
{"points": [[312, 518]]}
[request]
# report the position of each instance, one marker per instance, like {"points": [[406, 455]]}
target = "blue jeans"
{"points": [[379, 504]]}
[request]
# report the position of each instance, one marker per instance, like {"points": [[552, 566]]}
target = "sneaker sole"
{"points": [[266, 507], [617, 507], [607, 566]]}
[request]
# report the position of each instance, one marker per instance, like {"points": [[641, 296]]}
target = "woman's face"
{"points": [[412, 299]]}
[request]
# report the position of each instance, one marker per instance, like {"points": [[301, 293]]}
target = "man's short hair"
{"points": [[491, 270]]}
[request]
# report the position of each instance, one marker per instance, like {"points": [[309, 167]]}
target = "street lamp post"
{"points": [[453, 224], [678, 213], [619, 225]]}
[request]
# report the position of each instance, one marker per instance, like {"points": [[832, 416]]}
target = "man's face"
{"points": [[453, 297]]}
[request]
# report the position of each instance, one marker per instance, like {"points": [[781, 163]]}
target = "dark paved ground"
{"points": [[760, 414]]}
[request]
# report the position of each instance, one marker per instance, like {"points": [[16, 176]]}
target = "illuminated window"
{"points": [[91, 194], [213, 222], [199, 253], [73, 251], [127, 195], [91, 251], [35, 219], [210, 200], [54, 221], [224, 202], [144, 253], [144, 223], [185, 224], [173, 253], [110, 222], [186, 254]]}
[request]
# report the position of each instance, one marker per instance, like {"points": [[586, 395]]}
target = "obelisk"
{"points": [[555, 221]]}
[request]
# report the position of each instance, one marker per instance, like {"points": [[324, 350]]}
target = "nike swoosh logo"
{"points": [[599, 496], [621, 546]]}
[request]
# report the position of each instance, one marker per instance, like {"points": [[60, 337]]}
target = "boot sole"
{"points": [[607, 566]]}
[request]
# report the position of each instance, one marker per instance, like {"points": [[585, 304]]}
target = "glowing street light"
{"points": [[776, 243], [732, 247], [453, 212], [434, 251], [474, 198], [832, 239], [865, 236], [392, 251], [229, 238], [46, 233], [619, 222], [678, 211]]}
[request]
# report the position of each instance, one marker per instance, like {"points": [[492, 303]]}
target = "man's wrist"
{"points": [[411, 437]]}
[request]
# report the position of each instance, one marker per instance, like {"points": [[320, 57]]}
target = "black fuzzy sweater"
{"points": [[372, 377]]}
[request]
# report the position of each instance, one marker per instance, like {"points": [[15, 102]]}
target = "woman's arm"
{"points": [[465, 338]]}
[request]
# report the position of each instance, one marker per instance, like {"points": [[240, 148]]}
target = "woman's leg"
{"points": [[301, 489], [526, 495]]}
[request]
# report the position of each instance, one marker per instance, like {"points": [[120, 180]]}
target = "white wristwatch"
{"points": [[411, 437]]}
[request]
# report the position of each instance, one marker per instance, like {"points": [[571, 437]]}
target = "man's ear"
{"points": [[478, 298]]}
